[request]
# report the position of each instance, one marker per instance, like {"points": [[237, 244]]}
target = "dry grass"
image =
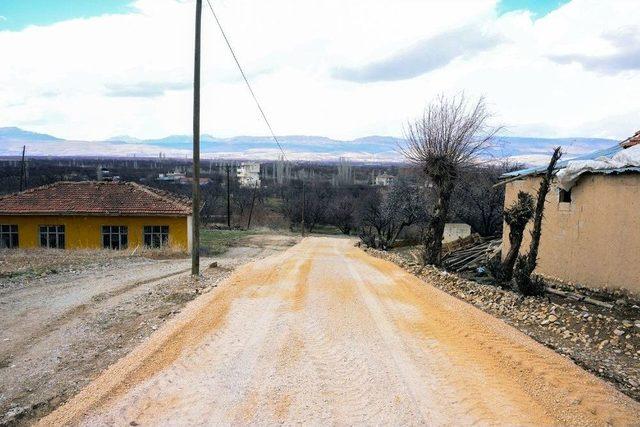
{"points": [[32, 262], [16, 263]]}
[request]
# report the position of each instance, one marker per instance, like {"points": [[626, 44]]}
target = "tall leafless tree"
{"points": [[450, 135]]}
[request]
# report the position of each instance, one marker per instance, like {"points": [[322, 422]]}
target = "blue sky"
{"points": [[18, 14], [539, 8]]}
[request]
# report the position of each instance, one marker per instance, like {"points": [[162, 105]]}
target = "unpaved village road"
{"points": [[326, 334]]}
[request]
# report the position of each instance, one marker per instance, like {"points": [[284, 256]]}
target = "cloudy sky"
{"points": [[94, 69]]}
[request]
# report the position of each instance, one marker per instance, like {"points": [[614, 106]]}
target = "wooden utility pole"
{"points": [[253, 202], [22, 170], [303, 203], [195, 229], [228, 197]]}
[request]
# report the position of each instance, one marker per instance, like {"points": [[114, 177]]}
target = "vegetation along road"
{"points": [[324, 333]]}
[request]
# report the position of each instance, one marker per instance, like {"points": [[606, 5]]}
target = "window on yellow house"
{"points": [[8, 236], [115, 236], [52, 236], [156, 236]]}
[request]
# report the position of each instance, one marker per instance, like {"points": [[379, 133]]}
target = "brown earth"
{"points": [[60, 327], [603, 340], [326, 334]]}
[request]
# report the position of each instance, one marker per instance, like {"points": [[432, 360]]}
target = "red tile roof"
{"points": [[631, 141], [94, 198]]}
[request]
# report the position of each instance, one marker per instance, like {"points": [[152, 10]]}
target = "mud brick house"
{"points": [[591, 225], [92, 215]]}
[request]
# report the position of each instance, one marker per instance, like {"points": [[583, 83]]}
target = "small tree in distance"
{"points": [[449, 137]]}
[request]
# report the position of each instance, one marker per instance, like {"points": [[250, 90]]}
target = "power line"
{"points": [[246, 80]]}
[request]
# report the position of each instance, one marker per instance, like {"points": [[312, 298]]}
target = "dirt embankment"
{"points": [[326, 334], [61, 328]]}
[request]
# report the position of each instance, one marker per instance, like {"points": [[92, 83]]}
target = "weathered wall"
{"points": [[594, 240], [85, 232], [454, 231]]}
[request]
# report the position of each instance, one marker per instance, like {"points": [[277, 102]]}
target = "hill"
{"points": [[298, 147]]}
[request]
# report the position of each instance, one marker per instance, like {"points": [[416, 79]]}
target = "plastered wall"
{"points": [[85, 232], [594, 240]]}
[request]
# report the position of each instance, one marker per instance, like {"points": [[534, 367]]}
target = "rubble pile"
{"points": [[605, 341]]}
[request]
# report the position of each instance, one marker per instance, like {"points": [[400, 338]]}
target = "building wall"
{"points": [[594, 240], [85, 232]]}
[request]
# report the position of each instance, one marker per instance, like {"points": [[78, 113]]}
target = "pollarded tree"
{"points": [[526, 264], [449, 137], [516, 216]]}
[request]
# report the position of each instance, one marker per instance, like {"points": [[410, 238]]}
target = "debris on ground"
{"points": [[473, 255], [604, 340]]}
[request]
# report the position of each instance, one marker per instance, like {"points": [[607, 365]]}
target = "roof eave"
{"points": [[107, 214]]}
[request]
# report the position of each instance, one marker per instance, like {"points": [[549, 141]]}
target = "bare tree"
{"points": [[384, 215], [449, 137], [477, 201], [341, 213]]}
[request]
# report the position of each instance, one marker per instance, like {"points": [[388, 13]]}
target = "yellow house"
{"points": [[95, 215]]}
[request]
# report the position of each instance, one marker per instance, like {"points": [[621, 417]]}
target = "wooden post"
{"points": [[303, 203], [22, 170], [195, 229], [253, 201], [228, 197]]}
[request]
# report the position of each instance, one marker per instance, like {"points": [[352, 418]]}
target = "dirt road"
{"points": [[324, 333], [59, 331]]}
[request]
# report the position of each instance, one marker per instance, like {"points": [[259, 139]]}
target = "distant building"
{"points": [[104, 174], [591, 224], [174, 176], [94, 215], [384, 180], [177, 177], [248, 174]]}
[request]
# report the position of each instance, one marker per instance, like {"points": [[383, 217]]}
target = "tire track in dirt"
{"points": [[325, 334], [502, 359]]}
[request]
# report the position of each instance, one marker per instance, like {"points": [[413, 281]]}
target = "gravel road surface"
{"points": [[326, 334]]}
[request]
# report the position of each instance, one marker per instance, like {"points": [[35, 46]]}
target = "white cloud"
{"points": [[422, 57], [130, 74]]}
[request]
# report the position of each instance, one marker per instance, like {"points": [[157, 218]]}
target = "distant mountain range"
{"points": [[297, 147]]}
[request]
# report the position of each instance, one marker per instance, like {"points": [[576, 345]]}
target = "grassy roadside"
{"points": [[217, 242]]}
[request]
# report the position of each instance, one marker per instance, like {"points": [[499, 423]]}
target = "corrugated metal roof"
{"points": [[607, 152]]}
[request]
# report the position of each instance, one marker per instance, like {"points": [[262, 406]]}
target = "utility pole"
{"points": [[22, 170], [228, 197], [195, 229], [303, 203]]}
